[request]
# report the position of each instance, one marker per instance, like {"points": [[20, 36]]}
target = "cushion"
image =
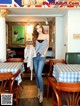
{"points": [[72, 58], [50, 54]]}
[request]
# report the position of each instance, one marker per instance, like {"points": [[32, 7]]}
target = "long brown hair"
{"points": [[35, 33]]}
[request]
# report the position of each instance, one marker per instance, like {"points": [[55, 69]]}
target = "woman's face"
{"points": [[39, 29]]}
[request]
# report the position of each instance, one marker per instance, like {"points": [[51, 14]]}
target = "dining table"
{"points": [[66, 72], [12, 67]]}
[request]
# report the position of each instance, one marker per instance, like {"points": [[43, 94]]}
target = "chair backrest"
{"points": [[14, 60], [69, 87], [13, 79], [4, 76], [7, 81], [72, 58], [4, 79], [70, 93], [54, 61]]}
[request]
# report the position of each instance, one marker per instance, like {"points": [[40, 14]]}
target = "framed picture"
{"points": [[29, 37], [29, 31], [18, 34], [46, 29], [76, 36]]}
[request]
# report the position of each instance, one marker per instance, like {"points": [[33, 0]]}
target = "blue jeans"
{"points": [[38, 63]]}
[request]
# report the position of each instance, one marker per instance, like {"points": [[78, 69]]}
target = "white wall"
{"points": [[66, 26], [59, 39], [65, 29], [2, 39], [73, 28]]}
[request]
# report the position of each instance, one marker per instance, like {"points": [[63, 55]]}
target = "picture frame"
{"points": [[46, 29], [76, 36], [29, 31], [18, 34], [29, 37]]}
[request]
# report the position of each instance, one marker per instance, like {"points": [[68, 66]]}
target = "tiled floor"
{"points": [[28, 96]]}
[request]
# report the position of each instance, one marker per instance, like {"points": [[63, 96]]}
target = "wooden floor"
{"points": [[28, 96]]}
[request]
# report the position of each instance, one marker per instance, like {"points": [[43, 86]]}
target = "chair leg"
{"points": [[21, 84], [48, 85], [17, 98], [31, 75]]}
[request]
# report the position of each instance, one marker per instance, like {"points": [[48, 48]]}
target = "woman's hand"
{"points": [[42, 55]]}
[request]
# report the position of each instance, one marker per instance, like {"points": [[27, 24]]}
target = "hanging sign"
{"points": [[41, 3]]}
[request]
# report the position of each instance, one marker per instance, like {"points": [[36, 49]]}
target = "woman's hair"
{"points": [[35, 33]]}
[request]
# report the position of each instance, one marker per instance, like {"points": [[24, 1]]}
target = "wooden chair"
{"points": [[64, 94], [7, 84], [16, 60], [50, 79], [70, 93], [52, 83], [52, 62]]}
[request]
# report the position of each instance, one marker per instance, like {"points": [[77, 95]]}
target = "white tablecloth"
{"points": [[67, 72]]}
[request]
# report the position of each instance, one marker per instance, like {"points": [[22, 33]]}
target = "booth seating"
{"points": [[19, 52], [14, 60], [72, 58]]}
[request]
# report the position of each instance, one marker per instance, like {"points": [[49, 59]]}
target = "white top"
{"points": [[29, 53]]}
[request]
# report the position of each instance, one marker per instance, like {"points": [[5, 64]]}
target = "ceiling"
{"points": [[33, 14]]}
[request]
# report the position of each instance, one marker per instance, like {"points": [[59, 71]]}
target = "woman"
{"points": [[41, 47]]}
